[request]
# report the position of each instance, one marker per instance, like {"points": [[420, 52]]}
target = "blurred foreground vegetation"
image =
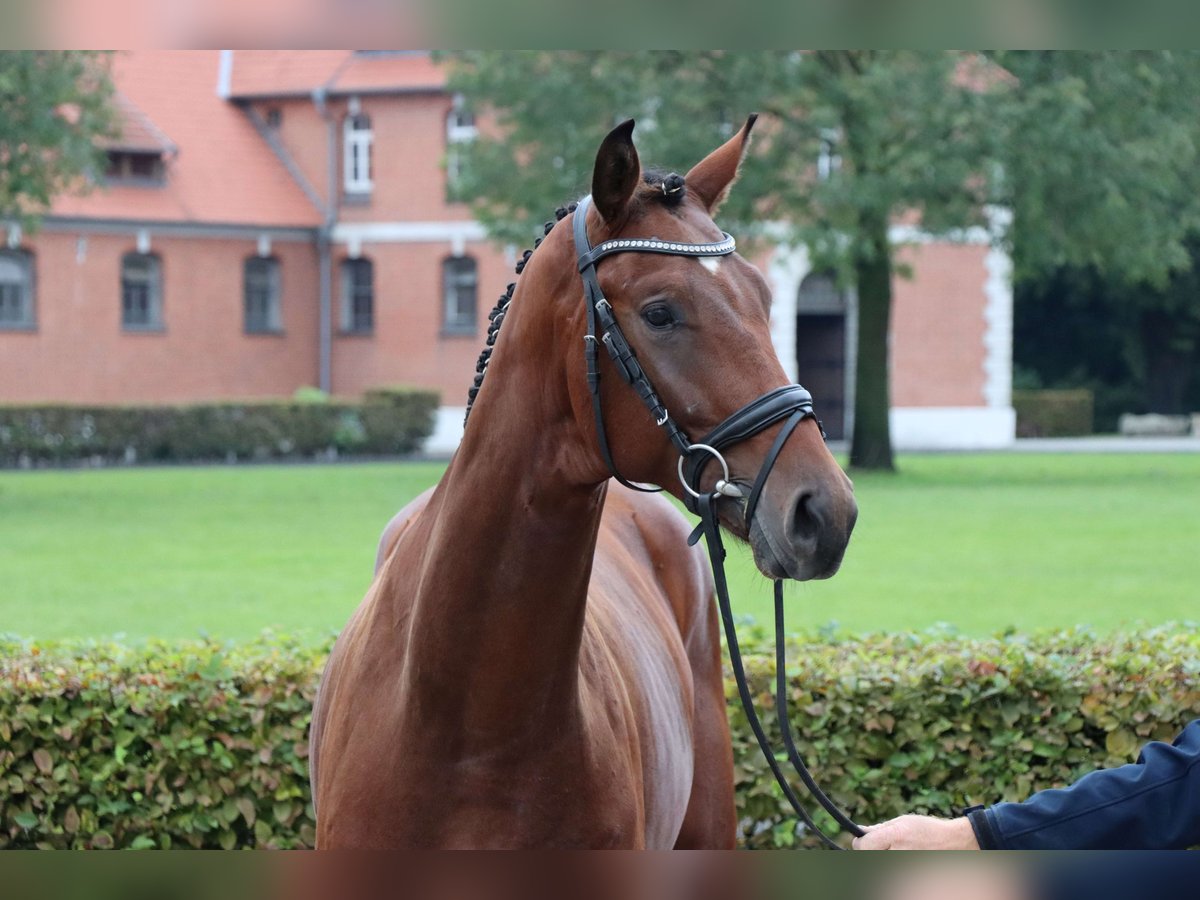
{"points": [[202, 745]]}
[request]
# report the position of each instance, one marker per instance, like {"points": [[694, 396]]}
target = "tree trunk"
{"points": [[871, 446]]}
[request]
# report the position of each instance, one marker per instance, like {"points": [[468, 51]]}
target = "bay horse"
{"points": [[537, 662]]}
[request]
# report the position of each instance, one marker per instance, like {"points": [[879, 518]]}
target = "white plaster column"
{"points": [[785, 271], [997, 337]]}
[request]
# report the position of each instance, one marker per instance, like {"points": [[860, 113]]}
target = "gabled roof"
{"points": [[288, 73], [281, 73], [370, 72], [136, 132], [221, 170]]}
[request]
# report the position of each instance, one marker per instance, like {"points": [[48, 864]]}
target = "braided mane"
{"points": [[496, 316], [665, 187]]}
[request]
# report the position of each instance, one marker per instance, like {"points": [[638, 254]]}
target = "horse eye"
{"points": [[658, 316]]}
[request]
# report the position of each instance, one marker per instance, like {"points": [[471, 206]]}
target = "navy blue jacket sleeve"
{"points": [[1152, 804]]}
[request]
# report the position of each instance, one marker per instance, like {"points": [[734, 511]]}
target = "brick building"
{"points": [[276, 219]]}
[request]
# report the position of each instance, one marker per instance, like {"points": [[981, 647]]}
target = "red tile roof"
{"points": [[222, 172], [276, 73], [369, 72]]}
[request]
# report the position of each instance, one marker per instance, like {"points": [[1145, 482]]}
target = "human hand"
{"points": [[918, 833]]}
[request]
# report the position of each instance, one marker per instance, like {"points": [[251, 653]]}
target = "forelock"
{"points": [[667, 189]]}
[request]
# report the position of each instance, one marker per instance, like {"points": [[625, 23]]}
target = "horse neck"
{"points": [[496, 628]]}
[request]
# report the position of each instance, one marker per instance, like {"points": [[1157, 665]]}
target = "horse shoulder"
{"points": [[663, 530], [343, 646], [683, 571], [399, 523]]}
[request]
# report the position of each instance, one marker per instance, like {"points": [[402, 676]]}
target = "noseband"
{"points": [[790, 404]]}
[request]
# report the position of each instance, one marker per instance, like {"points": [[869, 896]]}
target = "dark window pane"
{"points": [[358, 295], [10, 304], [141, 291], [16, 288], [143, 165], [261, 291], [142, 168], [459, 280]]}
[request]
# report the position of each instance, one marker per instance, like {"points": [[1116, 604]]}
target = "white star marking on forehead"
{"points": [[711, 263]]}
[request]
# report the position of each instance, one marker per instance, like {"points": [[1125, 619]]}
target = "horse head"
{"points": [[676, 328], [700, 329]]}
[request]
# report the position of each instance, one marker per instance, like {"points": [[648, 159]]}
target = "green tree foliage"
{"points": [[1104, 179], [1103, 161], [53, 107], [1096, 154], [900, 132]]}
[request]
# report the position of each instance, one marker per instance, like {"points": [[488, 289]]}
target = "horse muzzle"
{"points": [[804, 536]]}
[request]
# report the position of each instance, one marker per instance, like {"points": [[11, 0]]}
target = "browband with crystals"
{"points": [[723, 247]]}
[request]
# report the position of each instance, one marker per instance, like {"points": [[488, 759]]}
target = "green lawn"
{"points": [[982, 542]]}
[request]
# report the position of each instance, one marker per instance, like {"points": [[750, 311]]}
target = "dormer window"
{"points": [[139, 152], [358, 139], [135, 167]]}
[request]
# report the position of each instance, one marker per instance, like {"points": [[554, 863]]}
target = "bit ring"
{"points": [[722, 485]]}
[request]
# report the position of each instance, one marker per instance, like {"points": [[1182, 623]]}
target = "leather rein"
{"points": [[790, 404]]}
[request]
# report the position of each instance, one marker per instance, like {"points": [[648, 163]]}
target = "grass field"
{"points": [[982, 542]]}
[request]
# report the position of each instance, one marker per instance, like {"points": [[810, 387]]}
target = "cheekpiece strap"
{"points": [[604, 329]]}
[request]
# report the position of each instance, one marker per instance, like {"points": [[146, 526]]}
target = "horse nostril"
{"points": [[807, 517]]}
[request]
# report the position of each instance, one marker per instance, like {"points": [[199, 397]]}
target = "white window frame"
{"points": [[460, 129], [358, 139], [460, 124], [829, 161]]}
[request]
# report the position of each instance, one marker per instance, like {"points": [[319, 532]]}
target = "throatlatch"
{"points": [[790, 404]]}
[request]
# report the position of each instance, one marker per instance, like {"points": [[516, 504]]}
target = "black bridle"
{"points": [[790, 404]]}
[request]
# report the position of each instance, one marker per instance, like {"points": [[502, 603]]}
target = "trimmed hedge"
{"points": [[927, 723], [1057, 413], [385, 422], [204, 745]]}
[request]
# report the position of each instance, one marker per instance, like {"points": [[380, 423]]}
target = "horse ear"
{"points": [[616, 174], [712, 177]]}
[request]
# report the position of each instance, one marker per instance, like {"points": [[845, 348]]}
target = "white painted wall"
{"points": [[953, 428], [447, 431], [785, 272]]}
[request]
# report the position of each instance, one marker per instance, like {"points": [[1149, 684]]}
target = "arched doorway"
{"points": [[821, 348]]}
